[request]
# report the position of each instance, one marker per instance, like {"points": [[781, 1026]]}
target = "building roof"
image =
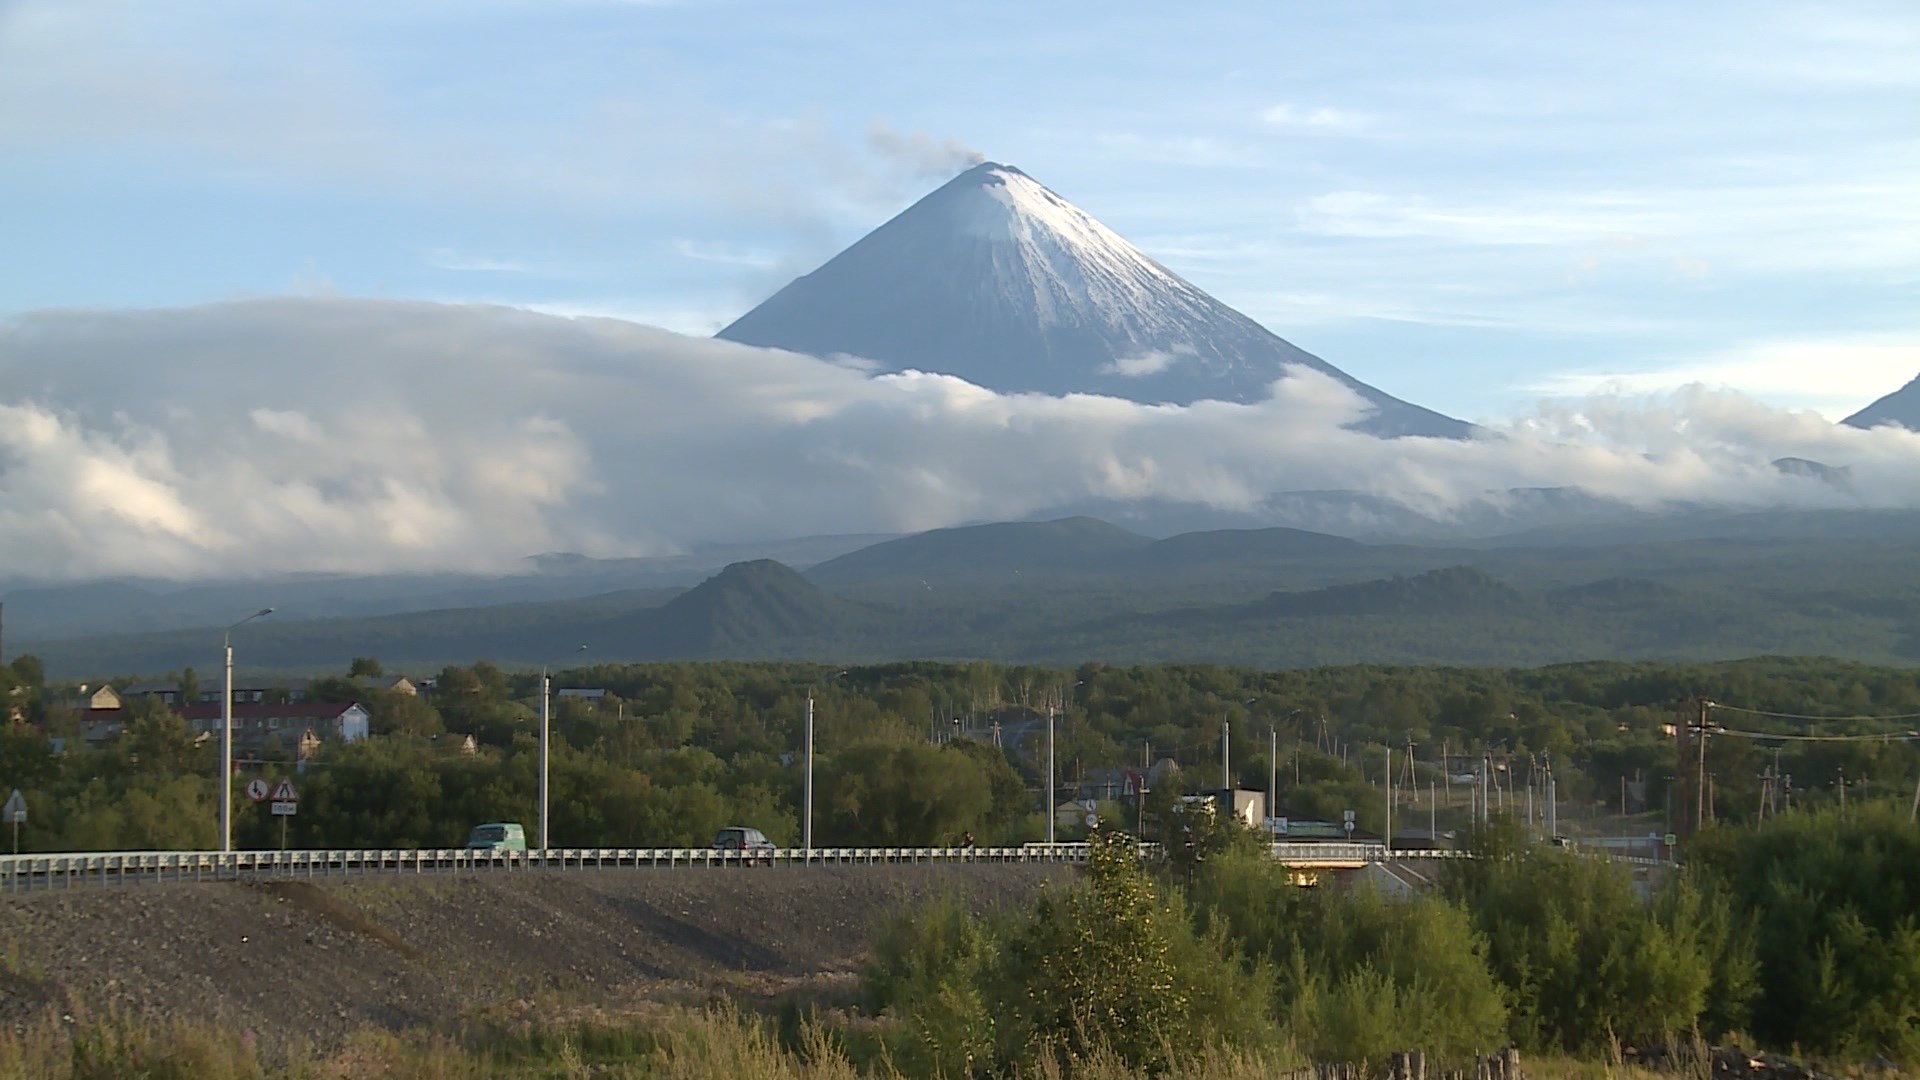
{"points": [[212, 686], [300, 710]]}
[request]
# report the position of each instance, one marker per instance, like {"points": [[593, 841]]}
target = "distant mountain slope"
{"points": [[1837, 597], [1614, 593], [999, 548], [1246, 546], [1901, 407], [1000, 281], [747, 605], [46, 612], [1452, 591]]}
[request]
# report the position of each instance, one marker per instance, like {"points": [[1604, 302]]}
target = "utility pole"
{"points": [[1389, 836], [1140, 789], [1700, 797], [226, 733], [1226, 754], [1913, 815], [546, 720], [546, 726], [806, 788], [1273, 777], [1553, 802], [1051, 806]]}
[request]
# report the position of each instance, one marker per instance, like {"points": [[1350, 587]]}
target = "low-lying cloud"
{"points": [[359, 435]]}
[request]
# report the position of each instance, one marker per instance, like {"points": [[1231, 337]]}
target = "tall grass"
{"points": [[712, 1044]]}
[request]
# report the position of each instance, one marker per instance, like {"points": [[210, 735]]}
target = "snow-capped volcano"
{"points": [[996, 279]]}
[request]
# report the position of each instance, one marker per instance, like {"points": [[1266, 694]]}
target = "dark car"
{"points": [[740, 838]]}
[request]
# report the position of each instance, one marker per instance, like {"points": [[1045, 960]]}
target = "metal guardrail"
{"points": [[71, 869], [20, 873]]}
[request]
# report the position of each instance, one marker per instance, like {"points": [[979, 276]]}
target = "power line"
{"points": [[1891, 736], [1803, 716]]}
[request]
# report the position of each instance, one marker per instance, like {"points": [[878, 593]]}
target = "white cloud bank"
{"points": [[359, 435]]}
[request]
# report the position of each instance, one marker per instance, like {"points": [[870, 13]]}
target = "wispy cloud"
{"points": [[1191, 150], [1315, 120], [1835, 378], [449, 259], [1152, 362], [724, 255]]}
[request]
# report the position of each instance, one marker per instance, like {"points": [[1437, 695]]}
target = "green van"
{"points": [[497, 836]]}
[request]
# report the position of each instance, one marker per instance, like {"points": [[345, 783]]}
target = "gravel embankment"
{"points": [[319, 960]]}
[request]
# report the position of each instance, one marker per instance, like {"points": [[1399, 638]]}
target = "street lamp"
{"points": [[226, 733], [546, 720], [1226, 755], [806, 784]]}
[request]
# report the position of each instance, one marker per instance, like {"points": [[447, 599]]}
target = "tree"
{"points": [[364, 667], [1584, 961], [901, 794], [1114, 967], [30, 672], [1358, 975], [1830, 900]]}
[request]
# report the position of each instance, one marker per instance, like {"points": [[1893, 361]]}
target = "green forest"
{"points": [[923, 753]]}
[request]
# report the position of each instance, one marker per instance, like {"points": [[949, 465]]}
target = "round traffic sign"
{"points": [[257, 789]]}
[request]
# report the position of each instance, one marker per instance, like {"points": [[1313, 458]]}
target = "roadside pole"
{"points": [[1389, 775], [1051, 814], [1273, 779], [806, 789]]}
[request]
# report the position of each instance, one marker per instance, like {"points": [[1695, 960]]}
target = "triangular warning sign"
{"points": [[285, 792]]}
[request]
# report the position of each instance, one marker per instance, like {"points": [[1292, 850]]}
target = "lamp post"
{"points": [[546, 724], [806, 782], [1226, 750], [226, 732]]}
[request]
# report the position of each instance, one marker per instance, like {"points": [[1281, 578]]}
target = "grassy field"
{"points": [[718, 1043]]}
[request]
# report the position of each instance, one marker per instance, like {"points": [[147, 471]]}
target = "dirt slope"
{"points": [[322, 959]]}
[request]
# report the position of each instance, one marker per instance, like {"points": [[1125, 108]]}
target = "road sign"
{"points": [[257, 789], [285, 809], [1672, 839], [1349, 817], [1092, 820], [15, 813], [285, 793]]}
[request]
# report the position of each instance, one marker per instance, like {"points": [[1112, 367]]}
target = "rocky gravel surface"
{"points": [[318, 960]]}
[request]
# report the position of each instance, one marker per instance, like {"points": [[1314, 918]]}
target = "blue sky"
{"points": [[1471, 205]]}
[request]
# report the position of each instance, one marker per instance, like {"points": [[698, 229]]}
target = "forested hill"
{"points": [[1080, 589]]}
